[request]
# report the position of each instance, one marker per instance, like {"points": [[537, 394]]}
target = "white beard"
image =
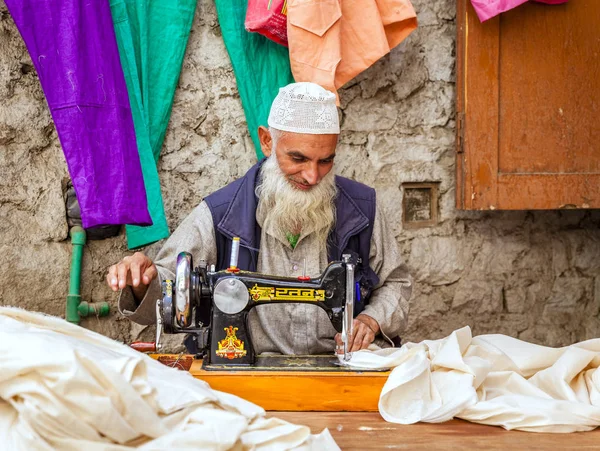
{"points": [[290, 210]]}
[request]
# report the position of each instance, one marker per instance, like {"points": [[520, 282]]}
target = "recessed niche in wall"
{"points": [[420, 204]]}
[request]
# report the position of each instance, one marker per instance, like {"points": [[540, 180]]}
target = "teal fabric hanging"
{"points": [[260, 65], [152, 37]]}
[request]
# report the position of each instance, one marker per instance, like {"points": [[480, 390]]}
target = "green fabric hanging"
{"points": [[152, 37], [260, 65], [169, 27]]}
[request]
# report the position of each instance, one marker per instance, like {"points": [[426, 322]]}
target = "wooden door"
{"points": [[528, 108]]}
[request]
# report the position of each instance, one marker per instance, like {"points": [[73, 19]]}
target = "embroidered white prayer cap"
{"points": [[305, 108]]}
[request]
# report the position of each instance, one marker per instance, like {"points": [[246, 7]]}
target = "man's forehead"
{"points": [[292, 137], [308, 146]]}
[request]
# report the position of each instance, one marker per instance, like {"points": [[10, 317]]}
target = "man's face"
{"points": [[305, 159]]}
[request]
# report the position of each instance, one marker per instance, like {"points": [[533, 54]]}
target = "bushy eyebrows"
{"points": [[298, 154]]}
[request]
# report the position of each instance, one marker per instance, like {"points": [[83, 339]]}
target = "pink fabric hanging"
{"points": [[486, 9], [269, 18]]}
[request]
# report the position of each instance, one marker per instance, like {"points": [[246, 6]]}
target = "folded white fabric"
{"points": [[63, 387], [490, 379]]}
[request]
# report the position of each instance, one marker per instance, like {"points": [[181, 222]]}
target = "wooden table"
{"points": [[364, 430], [368, 431]]}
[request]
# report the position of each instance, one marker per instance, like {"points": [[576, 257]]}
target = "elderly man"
{"points": [[289, 209]]}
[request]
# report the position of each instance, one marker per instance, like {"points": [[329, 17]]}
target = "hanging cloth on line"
{"points": [[486, 9], [152, 37], [72, 46], [331, 41], [261, 66]]}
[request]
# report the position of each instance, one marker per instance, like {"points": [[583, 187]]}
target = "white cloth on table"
{"points": [[490, 379], [63, 387]]}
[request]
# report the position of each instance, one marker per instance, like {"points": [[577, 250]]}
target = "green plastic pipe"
{"points": [[75, 308]]}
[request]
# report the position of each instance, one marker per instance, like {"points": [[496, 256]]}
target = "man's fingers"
{"points": [[356, 326], [339, 348], [338, 339], [367, 340], [362, 337], [353, 341], [111, 278], [134, 269], [122, 270], [339, 344], [149, 274], [357, 339]]}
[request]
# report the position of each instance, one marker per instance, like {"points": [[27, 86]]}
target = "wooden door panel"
{"points": [[528, 106], [548, 96], [547, 191]]}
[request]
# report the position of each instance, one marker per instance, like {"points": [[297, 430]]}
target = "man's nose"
{"points": [[311, 175]]}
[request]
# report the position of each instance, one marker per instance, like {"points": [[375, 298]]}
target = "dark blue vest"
{"points": [[233, 211]]}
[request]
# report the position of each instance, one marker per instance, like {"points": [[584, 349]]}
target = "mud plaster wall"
{"points": [[532, 275]]}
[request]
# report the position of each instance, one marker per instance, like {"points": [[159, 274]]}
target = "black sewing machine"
{"points": [[213, 307]]}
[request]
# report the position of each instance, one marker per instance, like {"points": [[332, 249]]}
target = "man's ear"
{"points": [[266, 140]]}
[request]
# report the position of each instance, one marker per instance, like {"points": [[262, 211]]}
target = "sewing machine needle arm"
{"points": [[158, 324], [348, 307]]}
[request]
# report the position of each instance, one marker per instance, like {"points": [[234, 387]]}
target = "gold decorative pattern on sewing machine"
{"points": [[231, 347], [169, 288], [286, 294]]}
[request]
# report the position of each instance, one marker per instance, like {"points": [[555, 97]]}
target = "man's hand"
{"points": [[364, 330], [136, 271]]}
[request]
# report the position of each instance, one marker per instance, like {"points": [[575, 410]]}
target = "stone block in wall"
{"points": [[482, 296], [431, 106], [515, 299], [587, 254], [439, 53], [569, 296], [369, 115], [436, 260]]}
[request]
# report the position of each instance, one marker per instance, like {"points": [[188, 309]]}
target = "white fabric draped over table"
{"points": [[63, 387], [490, 379]]}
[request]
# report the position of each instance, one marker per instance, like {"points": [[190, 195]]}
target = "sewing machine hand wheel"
{"points": [[184, 297]]}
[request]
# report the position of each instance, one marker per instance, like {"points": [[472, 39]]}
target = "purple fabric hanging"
{"points": [[73, 48], [486, 9]]}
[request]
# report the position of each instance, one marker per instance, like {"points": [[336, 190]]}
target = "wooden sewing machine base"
{"points": [[298, 383]]}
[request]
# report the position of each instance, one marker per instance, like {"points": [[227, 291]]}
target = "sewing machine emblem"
{"points": [[286, 294], [231, 347]]}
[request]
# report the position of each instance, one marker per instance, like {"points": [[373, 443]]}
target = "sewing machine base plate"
{"points": [[297, 388], [311, 363]]}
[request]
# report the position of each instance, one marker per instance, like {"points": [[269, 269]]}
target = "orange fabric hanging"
{"points": [[331, 41]]}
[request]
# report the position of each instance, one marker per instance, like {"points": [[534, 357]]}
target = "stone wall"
{"points": [[532, 275]]}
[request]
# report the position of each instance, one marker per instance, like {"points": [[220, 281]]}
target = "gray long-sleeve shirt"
{"points": [[299, 329]]}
